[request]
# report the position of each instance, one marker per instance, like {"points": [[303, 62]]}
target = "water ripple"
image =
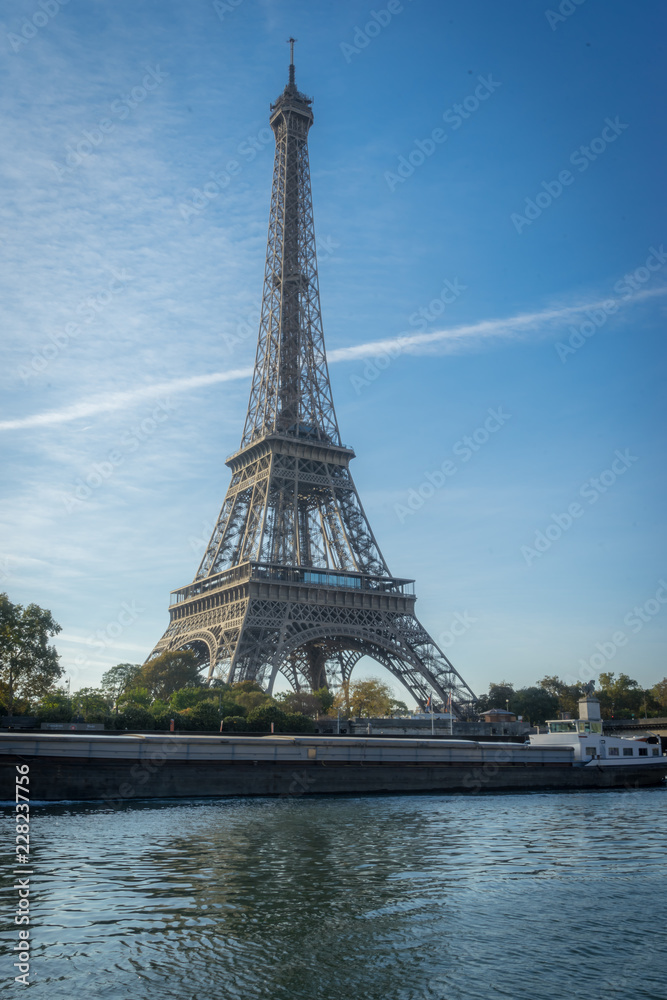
{"points": [[442, 898]]}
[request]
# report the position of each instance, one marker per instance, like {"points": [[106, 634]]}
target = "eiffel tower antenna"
{"points": [[293, 580], [291, 59]]}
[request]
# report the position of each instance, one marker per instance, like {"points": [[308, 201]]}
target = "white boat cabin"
{"points": [[590, 744]]}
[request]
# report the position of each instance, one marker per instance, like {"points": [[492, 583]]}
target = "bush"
{"points": [[189, 697], [52, 707], [163, 721], [233, 708], [295, 722], [261, 717], [234, 724], [135, 717], [206, 715]]}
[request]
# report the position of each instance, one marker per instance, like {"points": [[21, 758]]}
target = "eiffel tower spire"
{"points": [[290, 388], [293, 580]]}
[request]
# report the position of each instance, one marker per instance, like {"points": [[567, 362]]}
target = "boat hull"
{"points": [[122, 769]]}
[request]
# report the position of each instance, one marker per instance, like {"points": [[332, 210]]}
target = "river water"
{"points": [[438, 897]]}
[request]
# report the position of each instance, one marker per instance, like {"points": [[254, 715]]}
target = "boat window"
{"points": [[613, 751], [643, 751], [590, 751], [656, 752], [627, 751], [584, 726], [563, 727]]}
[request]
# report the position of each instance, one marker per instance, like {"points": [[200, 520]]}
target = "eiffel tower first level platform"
{"points": [[293, 580]]}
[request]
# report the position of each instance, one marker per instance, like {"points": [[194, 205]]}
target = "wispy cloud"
{"points": [[121, 400], [453, 339]]}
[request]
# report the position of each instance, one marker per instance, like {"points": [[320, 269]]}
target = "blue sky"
{"points": [[514, 263]]}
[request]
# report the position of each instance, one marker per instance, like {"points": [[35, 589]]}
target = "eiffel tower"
{"points": [[293, 580]]}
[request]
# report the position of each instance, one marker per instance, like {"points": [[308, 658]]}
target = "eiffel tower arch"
{"points": [[293, 580]]}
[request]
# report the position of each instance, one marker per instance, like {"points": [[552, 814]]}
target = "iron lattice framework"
{"points": [[293, 580]]}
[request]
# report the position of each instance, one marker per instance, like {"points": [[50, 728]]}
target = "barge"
{"points": [[573, 754]]}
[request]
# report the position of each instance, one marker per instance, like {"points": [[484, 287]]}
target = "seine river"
{"points": [[438, 897]]}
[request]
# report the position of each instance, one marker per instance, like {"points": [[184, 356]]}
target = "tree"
{"points": [[370, 698], [116, 681], [250, 695], [498, 696], [136, 697], [169, 672], [659, 694], [342, 698], [188, 697], [326, 699], [297, 723], [567, 695], [398, 707], [206, 715], [231, 707], [535, 704], [260, 718], [54, 706], [234, 724], [246, 686], [28, 665], [91, 703], [619, 697], [302, 702], [160, 709]]}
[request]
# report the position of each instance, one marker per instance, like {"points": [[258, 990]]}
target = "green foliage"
{"points": [[246, 686], [206, 715], [218, 684], [90, 704], [54, 706], [234, 724], [188, 697], [135, 717], [302, 702], [658, 694], [326, 699], [160, 708], [250, 700], [169, 672], [28, 665], [162, 720], [260, 718], [117, 680], [568, 695], [365, 699], [619, 697], [136, 697], [498, 696], [535, 704], [398, 707], [297, 723]]}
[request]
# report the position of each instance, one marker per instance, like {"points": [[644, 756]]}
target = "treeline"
{"points": [[170, 689], [620, 697]]}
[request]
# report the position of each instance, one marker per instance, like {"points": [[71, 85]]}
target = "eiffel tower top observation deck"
{"points": [[293, 580]]}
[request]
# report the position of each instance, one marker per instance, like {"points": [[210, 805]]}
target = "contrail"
{"points": [[453, 339]]}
